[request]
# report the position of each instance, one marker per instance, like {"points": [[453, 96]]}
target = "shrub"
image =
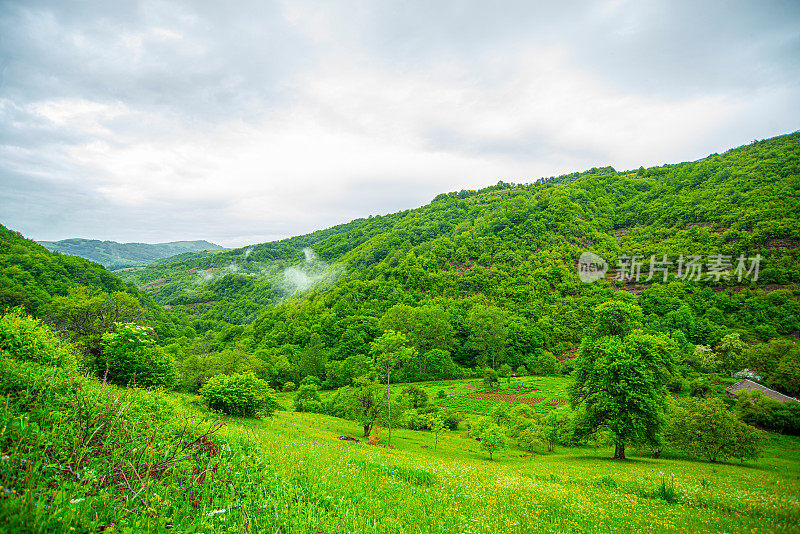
{"points": [[763, 412], [130, 356], [504, 370], [676, 384], [531, 438], [308, 400], [239, 394], [27, 340], [289, 386], [521, 371], [546, 364], [704, 427], [699, 387], [441, 394], [415, 397], [311, 380], [489, 376]]}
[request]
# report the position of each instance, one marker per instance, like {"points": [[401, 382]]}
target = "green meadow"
{"points": [[292, 473]]}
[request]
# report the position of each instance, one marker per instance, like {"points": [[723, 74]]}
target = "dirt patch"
{"points": [[556, 402], [156, 283], [788, 244], [512, 398]]}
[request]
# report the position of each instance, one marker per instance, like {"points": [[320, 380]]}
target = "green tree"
{"points": [[389, 351], [436, 424], [363, 402], [620, 378], [239, 394], [313, 357], [86, 313], [488, 324], [705, 427], [731, 350], [307, 399], [493, 439]]}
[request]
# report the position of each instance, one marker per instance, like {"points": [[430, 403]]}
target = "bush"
{"points": [[704, 427], [546, 364], [289, 386], [521, 371], [769, 414], [676, 384], [308, 400], [311, 380], [239, 394], [441, 394], [27, 340], [490, 376], [504, 370], [130, 356], [414, 397], [699, 387]]}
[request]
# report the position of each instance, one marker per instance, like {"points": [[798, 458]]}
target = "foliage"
{"points": [[239, 394], [131, 357], [489, 376], [307, 399], [363, 402], [26, 339], [546, 364], [493, 439], [700, 387], [620, 378], [769, 414], [704, 427], [436, 424]]}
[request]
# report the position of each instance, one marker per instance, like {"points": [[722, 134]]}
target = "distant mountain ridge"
{"points": [[114, 255]]}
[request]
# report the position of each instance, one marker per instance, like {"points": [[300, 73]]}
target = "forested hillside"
{"points": [[120, 255], [76, 296], [490, 276]]}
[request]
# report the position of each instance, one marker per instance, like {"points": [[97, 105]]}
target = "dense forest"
{"points": [[489, 276], [475, 278]]}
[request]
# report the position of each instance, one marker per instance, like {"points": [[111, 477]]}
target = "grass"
{"points": [[290, 473], [552, 390]]}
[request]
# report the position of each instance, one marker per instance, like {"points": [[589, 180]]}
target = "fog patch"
{"points": [[311, 273]]}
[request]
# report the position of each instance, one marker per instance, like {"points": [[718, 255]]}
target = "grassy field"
{"points": [[292, 473], [470, 396], [455, 488], [354, 487]]}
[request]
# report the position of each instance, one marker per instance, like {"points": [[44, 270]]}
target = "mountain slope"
{"points": [[116, 255], [32, 277]]}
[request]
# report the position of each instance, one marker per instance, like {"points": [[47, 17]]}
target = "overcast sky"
{"points": [[242, 122]]}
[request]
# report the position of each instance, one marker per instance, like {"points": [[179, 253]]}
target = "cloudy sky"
{"points": [[246, 121]]}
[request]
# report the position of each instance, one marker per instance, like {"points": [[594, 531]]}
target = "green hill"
{"points": [[62, 289], [120, 255], [508, 254]]}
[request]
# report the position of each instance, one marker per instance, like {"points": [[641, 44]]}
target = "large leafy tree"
{"points": [[620, 377], [489, 333]]}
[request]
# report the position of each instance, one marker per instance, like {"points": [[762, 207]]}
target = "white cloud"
{"points": [[185, 110]]}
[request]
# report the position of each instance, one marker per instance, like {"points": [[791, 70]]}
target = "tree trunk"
{"points": [[367, 428], [389, 402], [619, 452]]}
